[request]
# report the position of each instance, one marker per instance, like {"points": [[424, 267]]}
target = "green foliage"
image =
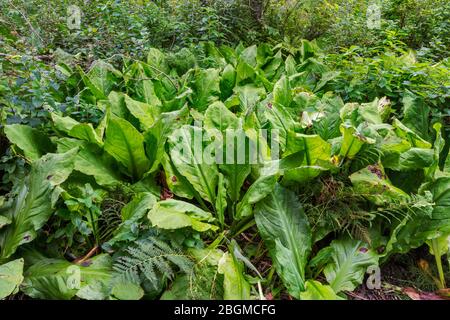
{"points": [[285, 230], [10, 277], [353, 168], [150, 259]]}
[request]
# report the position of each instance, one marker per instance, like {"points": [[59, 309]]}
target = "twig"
{"points": [[86, 257], [27, 21], [354, 295]]}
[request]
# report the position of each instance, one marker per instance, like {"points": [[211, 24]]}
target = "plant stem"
{"points": [[437, 257], [242, 225], [87, 256]]}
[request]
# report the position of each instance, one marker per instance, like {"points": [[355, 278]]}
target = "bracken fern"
{"points": [[151, 258]]}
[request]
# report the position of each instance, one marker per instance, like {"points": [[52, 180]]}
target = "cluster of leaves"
{"points": [[354, 182]]}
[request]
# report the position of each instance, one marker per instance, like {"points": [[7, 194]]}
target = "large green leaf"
{"points": [[412, 137], [60, 279], [285, 229], [430, 221], [248, 96], [33, 205], [144, 90], [126, 145], [314, 290], [227, 81], [352, 141], [235, 285], [306, 157], [124, 290], [373, 183], [312, 146], [257, 191], [282, 120], [144, 112], [157, 60], [176, 182], [206, 88], [90, 160], [282, 95], [32, 142], [414, 158], [186, 152], [221, 200], [350, 260], [83, 131], [175, 214], [156, 136], [219, 119], [438, 147], [101, 78], [249, 55], [10, 277], [415, 115]]}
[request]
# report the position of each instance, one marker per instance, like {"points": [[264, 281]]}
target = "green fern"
{"points": [[153, 259]]}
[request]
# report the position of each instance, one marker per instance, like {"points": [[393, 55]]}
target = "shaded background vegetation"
{"points": [[112, 26]]}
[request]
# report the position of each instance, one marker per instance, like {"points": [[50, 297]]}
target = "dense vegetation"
{"points": [[354, 172]]}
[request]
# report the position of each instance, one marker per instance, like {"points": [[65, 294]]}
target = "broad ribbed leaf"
{"points": [[373, 183], [413, 138], [313, 147], [100, 79], [257, 191], [75, 129], [33, 204], [219, 119], [235, 285], [156, 137], [285, 229], [10, 277], [314, 290], [306, 157], [175, 214], [186, 152], [352, 141], [60, 279], [32, 142], [157, 61], [282, 95], [351, 258], [144, 112], [431, 219], [415, 115], [227, 82], [126, 145], [91, 161], [176, 182], [206, 88], [221, 199], [280, 119]]}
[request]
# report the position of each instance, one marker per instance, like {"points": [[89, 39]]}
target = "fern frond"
{"points": [[151, 258]]}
